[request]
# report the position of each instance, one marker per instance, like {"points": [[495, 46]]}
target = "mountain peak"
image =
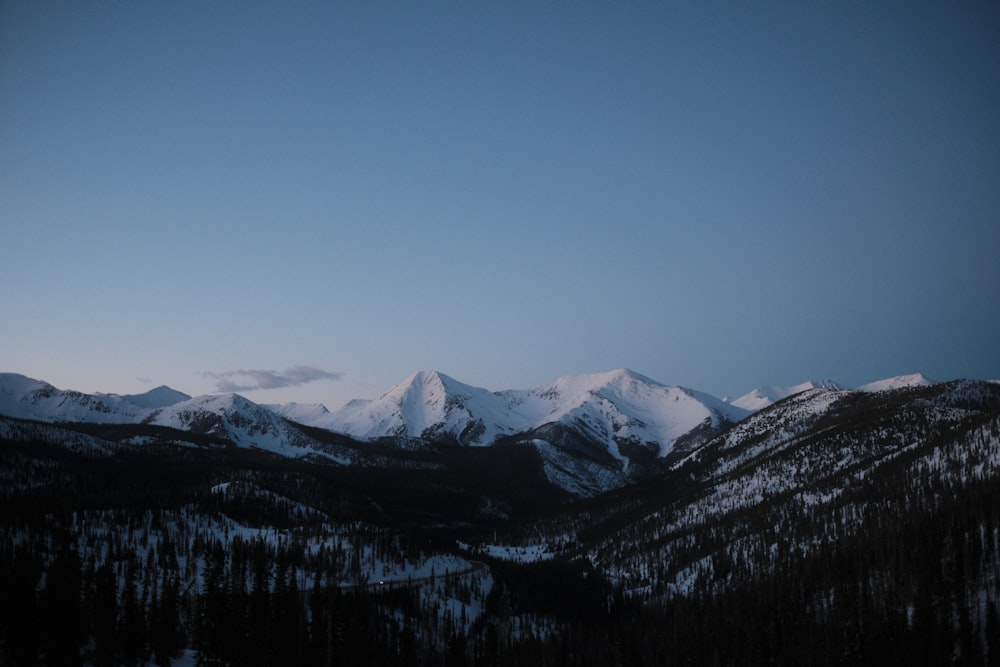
{"points": [[429, 377], [303, 413], [898, 382], [427, 386], [761, 397], [589, 383], [17, 385], [160, 397], [627, 375]]}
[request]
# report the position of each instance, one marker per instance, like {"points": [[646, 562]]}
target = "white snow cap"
{"points": [[622, 403], [761, 397], [898, 382]]}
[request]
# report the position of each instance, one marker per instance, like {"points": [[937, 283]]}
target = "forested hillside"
{"points": [[834, 527]]}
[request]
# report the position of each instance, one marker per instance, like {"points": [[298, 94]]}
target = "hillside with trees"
{"points": [[834, 527]]}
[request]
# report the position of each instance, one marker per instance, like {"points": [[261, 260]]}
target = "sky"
{"points": [[310, 201]]}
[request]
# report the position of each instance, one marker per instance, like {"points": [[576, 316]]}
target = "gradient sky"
{"points": [[714, 194]]}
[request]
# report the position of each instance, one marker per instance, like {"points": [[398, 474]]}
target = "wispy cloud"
{"points": [[250, 380]]}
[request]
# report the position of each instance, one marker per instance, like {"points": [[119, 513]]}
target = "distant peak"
{"points": [[628, 373], [898, 382], [159, 397], [761, 397], [429, 375], [606, 378], [423, 382], [432, 379]]}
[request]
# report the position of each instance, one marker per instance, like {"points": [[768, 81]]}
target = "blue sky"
{"points": [[717, 194]]}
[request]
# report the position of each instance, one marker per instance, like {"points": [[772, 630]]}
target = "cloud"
{"points": [[250, 380]]}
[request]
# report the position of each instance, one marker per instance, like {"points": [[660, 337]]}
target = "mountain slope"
{"points": [[427, 405], [611, 407], [26, 398], [593, 432], [241, 421], [793, 479], [833, 527], [898, 382], [761, 397], [228, 417], [623, 406], [303, 413]]}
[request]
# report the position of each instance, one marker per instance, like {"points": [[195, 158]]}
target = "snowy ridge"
{"points": [[801, 458], [768, 429], [898, 382], [237, 419], [227, 416], [616, 406], [761, 397], [26, 398], [303, 413], [427, 405], [623, 406], [592, 432]]}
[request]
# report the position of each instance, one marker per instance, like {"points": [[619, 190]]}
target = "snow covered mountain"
{"points": [[591, 432], [898, 382], [161, 397], [761, 397], [26, 398], [793, 513], [427, 405], [228, 417], [303, 413], [612, 407], [236, 419]]}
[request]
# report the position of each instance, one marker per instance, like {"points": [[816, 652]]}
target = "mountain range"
{"points": [[596, 519], [592, 432]]}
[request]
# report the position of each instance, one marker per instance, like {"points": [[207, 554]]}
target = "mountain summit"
{"points": [[160, 397], [761, 397], [593, 432], [427, 405], [898, 382], [619, 405]]}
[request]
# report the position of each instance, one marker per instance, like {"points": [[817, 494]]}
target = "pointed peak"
{"points": [[429, 375], [430, 380]]}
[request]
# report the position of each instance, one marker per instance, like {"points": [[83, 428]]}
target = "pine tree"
{"points": [[62, 616], [22, 633], [165, 637], [132, 623], [105, 616]]}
